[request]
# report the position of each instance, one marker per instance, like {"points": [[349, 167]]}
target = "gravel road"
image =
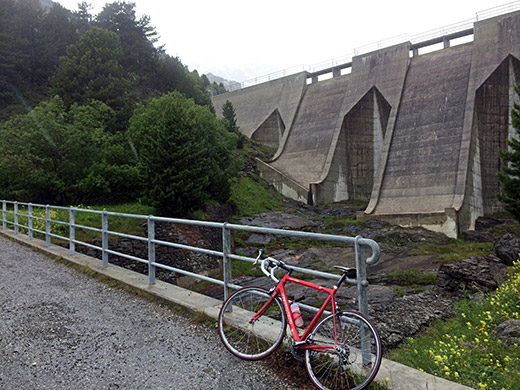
{"points": [[60, 329]]}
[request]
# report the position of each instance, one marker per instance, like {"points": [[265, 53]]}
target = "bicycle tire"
{"points": [[344, 366], [251, 341]]}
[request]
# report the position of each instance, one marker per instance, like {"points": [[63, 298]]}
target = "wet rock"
{"points": [[474, 275], [509, 332], [507, 248]]}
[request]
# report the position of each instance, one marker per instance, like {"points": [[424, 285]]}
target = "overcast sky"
{"points": [[243, 39]]}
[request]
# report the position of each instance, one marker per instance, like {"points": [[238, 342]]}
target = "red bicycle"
{"points": [[341, 351]]}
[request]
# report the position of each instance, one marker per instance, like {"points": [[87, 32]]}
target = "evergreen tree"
{"points": [[137, 38], [185, 154], [92, 70], [228, 112], [509, 175]]}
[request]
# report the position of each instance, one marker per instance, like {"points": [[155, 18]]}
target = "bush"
{"points": [[184, 152], [63, 155]]}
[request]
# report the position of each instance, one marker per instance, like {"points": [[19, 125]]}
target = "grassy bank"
{"points": [[466, 348]]}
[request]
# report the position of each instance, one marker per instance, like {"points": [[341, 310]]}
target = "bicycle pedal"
{"points": [[296, 353]]}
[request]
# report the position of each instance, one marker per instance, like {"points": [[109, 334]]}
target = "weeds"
{"points": [[466, 348]]}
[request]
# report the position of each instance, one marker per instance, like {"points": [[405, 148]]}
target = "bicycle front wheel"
{"points": [[347, 352], [251, 341]]}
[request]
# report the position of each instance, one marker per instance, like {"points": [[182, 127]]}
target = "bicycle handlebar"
{"points": [[267, 262]]}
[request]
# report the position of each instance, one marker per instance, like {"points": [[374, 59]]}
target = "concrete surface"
{"points": [[415, 135], [401, 377]]}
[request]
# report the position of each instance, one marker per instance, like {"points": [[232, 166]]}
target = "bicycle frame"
{"points": [[280, 290]]}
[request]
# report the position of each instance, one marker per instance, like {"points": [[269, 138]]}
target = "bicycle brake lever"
{"points": [[260, 253]]}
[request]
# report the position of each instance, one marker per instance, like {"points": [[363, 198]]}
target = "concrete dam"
{"points": [[415, 135]]}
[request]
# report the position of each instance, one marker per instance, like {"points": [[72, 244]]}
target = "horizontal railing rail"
{"points": [[13, 211]]}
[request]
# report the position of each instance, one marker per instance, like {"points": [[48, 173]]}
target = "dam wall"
{"points": [[415, 135]]}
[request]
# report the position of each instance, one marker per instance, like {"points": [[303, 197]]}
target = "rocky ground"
{"points": [[410, 287], [413, 284]]}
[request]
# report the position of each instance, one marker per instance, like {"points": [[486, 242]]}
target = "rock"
{"points": [[483, 223], [259, 238], [507, 248], [509, 332], [473, 275], [475, 236], [409, 315], [278, 220]]}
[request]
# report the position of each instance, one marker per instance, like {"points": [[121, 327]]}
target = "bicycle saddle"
{"points": [[351, 272]]}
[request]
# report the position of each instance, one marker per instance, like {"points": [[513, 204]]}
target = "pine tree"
{"points": [[509, 175]]}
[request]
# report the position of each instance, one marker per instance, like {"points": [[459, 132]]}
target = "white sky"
{"points": [[243, 39]]}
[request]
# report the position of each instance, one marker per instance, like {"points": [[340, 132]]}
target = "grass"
{"points": [[453, 250], [410, 277], [250, 197], [119, 224], [466, 349]]}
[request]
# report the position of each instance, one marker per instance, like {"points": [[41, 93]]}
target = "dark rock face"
{"points": [[509, 332], [474, 275], [507, 248]]}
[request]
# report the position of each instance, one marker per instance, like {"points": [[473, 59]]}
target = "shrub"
{"points": [[184, 152]]}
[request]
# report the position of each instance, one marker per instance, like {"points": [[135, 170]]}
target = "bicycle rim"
{"points": [[353, 362], [251, 341]]}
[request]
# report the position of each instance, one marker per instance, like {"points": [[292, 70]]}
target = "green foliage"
{"points": [[228, 112], [466, 349], [509, 175], [92, 70], [249, 197], [59, 155], [185, 154], [137, 37], [31, 41]]}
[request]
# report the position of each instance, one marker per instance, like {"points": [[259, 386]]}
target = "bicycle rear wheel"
{"points": [[352, 362], [251, 341]]}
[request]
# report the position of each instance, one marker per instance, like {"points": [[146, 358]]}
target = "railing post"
{"points": [[47, 225], [362, 285], [72, 231], [4, 209], [15, 217], [226, 261], [104, 237], [151, 250], [30, 221]]}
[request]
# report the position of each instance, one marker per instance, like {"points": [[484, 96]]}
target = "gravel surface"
{"points": [[60, 329]]}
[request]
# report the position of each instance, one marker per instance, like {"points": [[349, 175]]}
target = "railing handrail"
{"points": [[358, 242], [414, 39]]}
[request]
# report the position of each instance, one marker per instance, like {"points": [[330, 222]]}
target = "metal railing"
{"points": [[417, 39], [41, 221]]}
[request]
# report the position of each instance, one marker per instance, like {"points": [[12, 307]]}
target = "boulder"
{"points": [[474, 275], [509, 332], [507, 248]]}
